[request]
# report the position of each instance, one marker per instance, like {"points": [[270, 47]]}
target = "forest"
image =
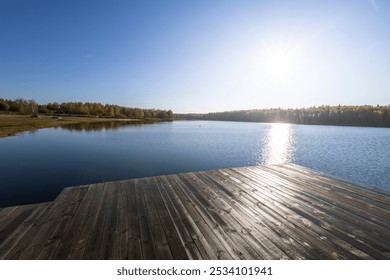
{"points": [[376, 116], [21, 106]]}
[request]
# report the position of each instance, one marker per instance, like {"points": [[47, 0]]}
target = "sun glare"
{"points": [[278, 146], [279, 61], [278, 64]]}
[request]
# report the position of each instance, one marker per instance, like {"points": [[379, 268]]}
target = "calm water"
{"points": [[35, 167]]}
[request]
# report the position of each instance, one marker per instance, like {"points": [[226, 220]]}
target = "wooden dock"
{"points": [[256, 212]]}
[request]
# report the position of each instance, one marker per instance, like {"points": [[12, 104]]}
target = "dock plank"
{"points": [[303, 213], [147, 243], [240, 221], [72, 235], [158, 234], [78, 236], [349, 197], [47, 221], [268, 215], [184, 224], [108, 226], [228, 228], [306, 203], [94, 242], [203, 223], [267, 236], [14, 245], [255, 212], [132, 223], [341, 208], [54, 239], [321, 242], [371, 192], [118, 243], [176, 246]]}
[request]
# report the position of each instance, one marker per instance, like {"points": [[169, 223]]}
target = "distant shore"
{"points": [[341, 115], [13, 124]]}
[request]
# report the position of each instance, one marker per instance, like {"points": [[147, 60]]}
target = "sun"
{"points": [[278, 64], [279, 61]]}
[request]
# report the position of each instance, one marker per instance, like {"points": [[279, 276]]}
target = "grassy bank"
{"points": [[13, 124]]}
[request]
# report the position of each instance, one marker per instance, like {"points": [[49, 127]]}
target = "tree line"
{"points": [[377, 116], [21, 106]]}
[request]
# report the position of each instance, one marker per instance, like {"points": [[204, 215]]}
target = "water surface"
{"points": [[35, 167]]}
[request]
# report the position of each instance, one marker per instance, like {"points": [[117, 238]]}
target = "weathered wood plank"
{"points": [[192, 224], [109, 222], [229, 229], [254, 212], [184, 225], [94, 242], [306, 202], [5, 213], [346, 196], [349, 213], [117, 247], [78, 235], [46, 222], [176, 246], [72, 235], [373, 236], [13, 220], [147, 242], [54, 239], [240, 220], [308, 233], [132, 223], [20, 238], [277, 247], [372, 192], [267, 216], [158, 234], [209, 230]]}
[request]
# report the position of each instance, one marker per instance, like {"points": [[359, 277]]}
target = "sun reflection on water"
{"points": [[278, 144]]}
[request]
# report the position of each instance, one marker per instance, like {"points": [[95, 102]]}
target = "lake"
{"points": [[36, 166]]}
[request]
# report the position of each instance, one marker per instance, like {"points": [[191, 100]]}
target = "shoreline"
{"points": [[11, 125]]}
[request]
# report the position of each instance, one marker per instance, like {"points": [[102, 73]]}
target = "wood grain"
{"points": [[255, 212]]}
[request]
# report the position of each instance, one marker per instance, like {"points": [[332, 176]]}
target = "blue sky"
{"points": [[196, 56]]}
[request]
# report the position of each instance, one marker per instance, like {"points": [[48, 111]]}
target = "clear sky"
{"points": [[196, 56]]}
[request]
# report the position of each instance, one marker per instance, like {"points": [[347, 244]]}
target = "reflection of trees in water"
{"points": [[97, 126]]}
